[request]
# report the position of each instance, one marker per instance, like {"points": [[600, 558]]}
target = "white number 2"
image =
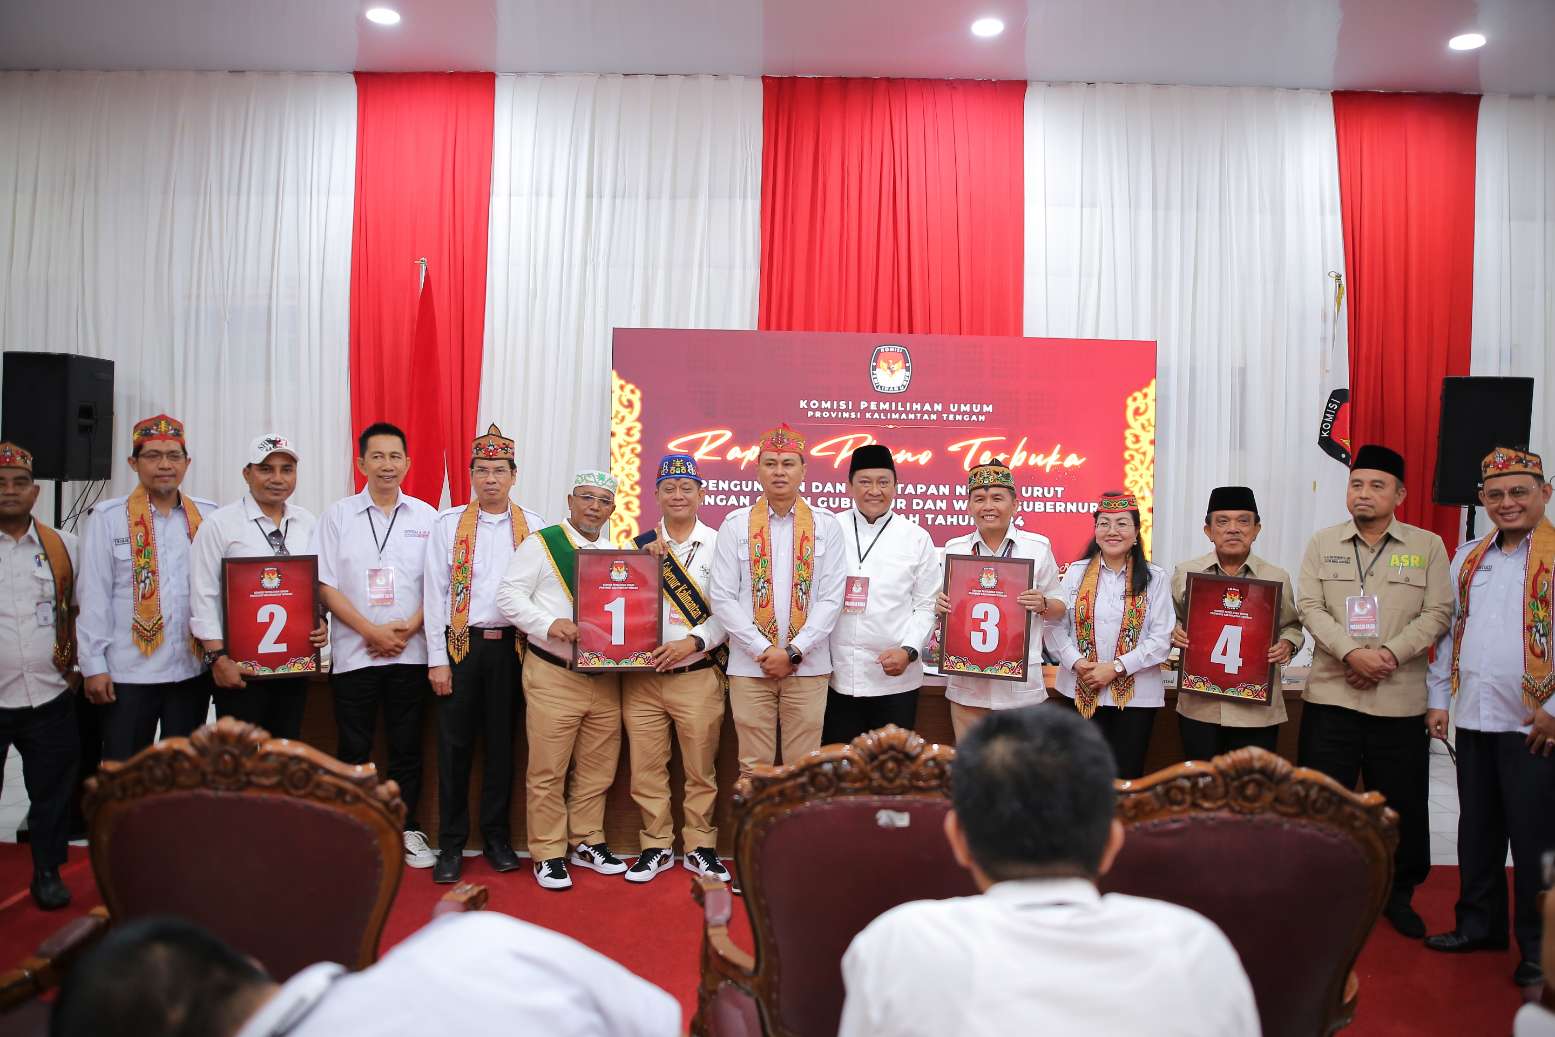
{"points": [[275, 615], [617, 609], [1228, 649], [985, 636]]}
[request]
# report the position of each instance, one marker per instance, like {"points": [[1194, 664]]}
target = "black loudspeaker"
{"points": [[60, 407], [1478, 415]]}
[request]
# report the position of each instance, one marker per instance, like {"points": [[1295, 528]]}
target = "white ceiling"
{"points": [[1340, 44]]}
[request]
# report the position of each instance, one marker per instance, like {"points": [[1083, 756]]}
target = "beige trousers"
{"points": [[570, 719], [692, 704], [963, 717], [763, 706]]}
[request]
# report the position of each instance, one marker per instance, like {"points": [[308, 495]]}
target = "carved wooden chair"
{"points": [[881, 798], [1292, 866]]}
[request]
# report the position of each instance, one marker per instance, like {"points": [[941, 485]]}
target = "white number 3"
{"points": [[1228, 649], [275, 615], [985, 636]]}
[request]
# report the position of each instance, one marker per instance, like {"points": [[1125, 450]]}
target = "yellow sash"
{"points": [[461, 579], [1128, 633], [762, 600], [64, 596], [1538, 679], [145, 589]]}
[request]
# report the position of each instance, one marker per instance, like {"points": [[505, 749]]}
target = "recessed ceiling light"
{"points": [[1468, 41], [383, 16], [986, 27]]}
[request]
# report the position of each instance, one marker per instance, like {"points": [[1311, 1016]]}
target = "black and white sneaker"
{"points": [[649, 863], [552, 874], [704, 861], [597, 858]]}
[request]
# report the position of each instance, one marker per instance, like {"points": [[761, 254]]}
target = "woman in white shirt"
{"points": [[1116, 633]]}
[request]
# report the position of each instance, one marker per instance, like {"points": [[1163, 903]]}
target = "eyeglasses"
{"points": [[1517, 495], [588, 498], [157, 457]]}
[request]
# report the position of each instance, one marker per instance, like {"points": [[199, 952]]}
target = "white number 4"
{"points": [[275, 615], [1228, 649]]}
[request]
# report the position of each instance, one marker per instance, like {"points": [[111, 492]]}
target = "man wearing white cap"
{"points": [[571, 719], [262, 522]]}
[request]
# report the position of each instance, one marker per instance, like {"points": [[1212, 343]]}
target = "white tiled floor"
{"points": [[13, 798]]}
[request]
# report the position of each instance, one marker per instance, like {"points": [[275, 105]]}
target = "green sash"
{"points": [[563, 556]]}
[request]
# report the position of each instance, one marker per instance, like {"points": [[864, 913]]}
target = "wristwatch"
{"points": [[794, 654], [211, 657], [912, 653], [1117, 664], [701, 644]]}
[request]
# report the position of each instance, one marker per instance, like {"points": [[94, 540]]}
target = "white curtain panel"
{"points": [[616, 201], [195, 228], [1514, 252], [1206, 219]]}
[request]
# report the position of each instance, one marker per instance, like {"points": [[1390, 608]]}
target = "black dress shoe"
{"points": [[1528, 974], [1403, 918], [449, 864], [48, 889], [1456, 943], [501, 857]]}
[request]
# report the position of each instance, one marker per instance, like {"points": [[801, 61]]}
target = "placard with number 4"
{"points": [[269, 608], [1230, 622]]}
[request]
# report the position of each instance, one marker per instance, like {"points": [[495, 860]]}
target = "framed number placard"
{"points": [[1231, 624], [618, 611], [987, 632], [269, 607]]}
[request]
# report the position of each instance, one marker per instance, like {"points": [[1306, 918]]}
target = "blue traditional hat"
{"points": [[678, 466]]}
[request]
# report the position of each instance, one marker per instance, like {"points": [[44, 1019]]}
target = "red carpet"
{"points": [[654, 930]]}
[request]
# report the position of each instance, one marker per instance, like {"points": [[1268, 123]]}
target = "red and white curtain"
{"points": [[247, 248]]}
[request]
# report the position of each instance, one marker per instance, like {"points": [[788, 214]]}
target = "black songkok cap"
{"points": [[1380, 459], [872, 456], [1232, 498]]}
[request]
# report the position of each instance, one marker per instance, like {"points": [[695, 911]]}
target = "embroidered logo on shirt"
{"points": [[1399, 560]]}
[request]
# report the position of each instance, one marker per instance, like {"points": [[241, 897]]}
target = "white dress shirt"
{"points": [[695, 555], [477, 973], [531, 595], [731, 591], [493, 549], [107, 599], [347, 541], [1490, 665], [237, 530], [1155, 640], [1045, 956], [986, 692], [27, 674], [898, 559]]}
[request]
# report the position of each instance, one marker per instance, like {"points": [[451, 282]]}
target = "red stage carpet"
{"points": [[654, 931]]}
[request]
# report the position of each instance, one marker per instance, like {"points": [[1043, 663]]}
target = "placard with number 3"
{"points": [[618, 611], [269, 608], [987, 631]]}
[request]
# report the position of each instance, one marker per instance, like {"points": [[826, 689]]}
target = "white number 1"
{"points": [[1228, 649], [617, 609], [275, 615], [985, 636]]}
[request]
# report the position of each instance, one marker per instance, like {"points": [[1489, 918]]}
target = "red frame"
{"points": [[643, 622], [1206, 613], [964, 587], [243, 593]]}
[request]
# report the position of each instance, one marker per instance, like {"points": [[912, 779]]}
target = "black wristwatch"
{"points": [[912, 653], [701, 644], [211, 657], [794, 654]]}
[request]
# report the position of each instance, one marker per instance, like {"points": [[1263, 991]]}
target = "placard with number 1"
{"points": [[987, 631], [618, 611], [269, 607]]}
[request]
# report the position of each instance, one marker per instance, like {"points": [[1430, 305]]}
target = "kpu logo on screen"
{"points": [[890, 368]]}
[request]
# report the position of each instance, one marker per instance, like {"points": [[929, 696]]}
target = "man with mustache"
{"points": [[1210, 725]]}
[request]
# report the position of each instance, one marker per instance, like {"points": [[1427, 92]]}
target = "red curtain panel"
{"points": [[423, 189], [1406, 184], [892, 205]]}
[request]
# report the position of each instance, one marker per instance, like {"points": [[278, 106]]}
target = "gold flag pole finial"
{"points": [[421, 277]]}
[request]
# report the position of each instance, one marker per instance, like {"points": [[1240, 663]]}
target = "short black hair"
{"points": [[1032, 788], [380, 428], [158, 977]]}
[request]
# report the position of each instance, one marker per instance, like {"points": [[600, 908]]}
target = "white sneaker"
{"points": [[596, 857], [552, 874], [704, 861], [649, 863], [417, 853]]}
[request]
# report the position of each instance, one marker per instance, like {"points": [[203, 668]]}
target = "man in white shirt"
{"points": [[572, 720], [1492, 667], [38, 668], [262, 522], [887, 606], [473, 655], [778, 572], [991, 500], [139, 660], [1041, 951], [372, 550], [686, 692], [475, 973]]}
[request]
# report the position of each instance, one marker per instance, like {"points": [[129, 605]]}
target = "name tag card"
{"points": [[380, 586], [618, 612], [855, 595], [1230, 624], [986, 632], [269, 607], [1361, 613]]}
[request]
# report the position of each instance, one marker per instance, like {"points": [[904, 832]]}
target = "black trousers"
{"points": [[1127, 732], [89, 736], [484, 705], [1391, 754], [848, 716], [1505, 794], [276, 705], [51, 750], [1203, 741], [130, 721], [402, 690]]}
